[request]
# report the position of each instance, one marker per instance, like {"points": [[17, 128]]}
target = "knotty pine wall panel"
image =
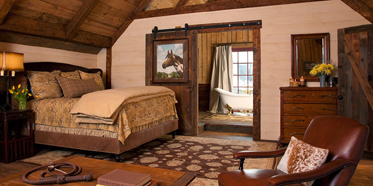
{"points": [[206, 49]]}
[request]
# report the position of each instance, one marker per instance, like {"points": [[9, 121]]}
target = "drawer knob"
{"points": [[295, 95], [340, 97]]}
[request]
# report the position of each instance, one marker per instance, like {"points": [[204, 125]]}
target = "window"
{"points": [[243, 59]]}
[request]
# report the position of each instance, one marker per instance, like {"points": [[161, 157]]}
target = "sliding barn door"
{"points": [[355, 73], [186, 92]]}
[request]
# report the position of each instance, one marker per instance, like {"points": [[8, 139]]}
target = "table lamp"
{"points": [[2, 56], [13, 62], [10, 62]]}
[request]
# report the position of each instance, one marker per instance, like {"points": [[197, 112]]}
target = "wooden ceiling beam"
{"points": [[11, 37], [24, 25], [215, 6], [143, 4], [5, 6], [80, 17], [360, 8], [181, 3]]}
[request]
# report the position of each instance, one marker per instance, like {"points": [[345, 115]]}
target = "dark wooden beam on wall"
{"points": [[5, 6], [108, 67], [256, 84], [80, 17], [143, 4], [230, 28], [360, 8], [24, 25], [11, 37], [215, 6]]}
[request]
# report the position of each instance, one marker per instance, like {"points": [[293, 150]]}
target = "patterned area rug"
{"points": [[206, 157], [227, 117]]}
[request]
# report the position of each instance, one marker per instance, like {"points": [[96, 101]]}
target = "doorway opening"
{"points": [[243, 123]]}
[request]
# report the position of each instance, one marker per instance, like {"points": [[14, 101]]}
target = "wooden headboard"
{"points": [[64, 67]]}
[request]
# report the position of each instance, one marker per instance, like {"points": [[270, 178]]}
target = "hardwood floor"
{"points": [[362, 177]]}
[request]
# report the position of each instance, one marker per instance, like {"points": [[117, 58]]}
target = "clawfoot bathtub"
{"points": [[235, 101]]}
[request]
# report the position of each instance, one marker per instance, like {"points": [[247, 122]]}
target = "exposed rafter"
{"points": [[143, 4], [361, 8], [5, 6], [214, 6], [11, 37], [29, 26], [80, 17]]}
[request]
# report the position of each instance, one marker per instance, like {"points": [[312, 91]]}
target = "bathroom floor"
{"points": [[235, 119]]}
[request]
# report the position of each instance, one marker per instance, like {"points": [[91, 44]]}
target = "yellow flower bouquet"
{"points": [[21, 95], [322, 69]]}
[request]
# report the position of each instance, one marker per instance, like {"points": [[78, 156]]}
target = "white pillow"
{"points": [[301, 157]]}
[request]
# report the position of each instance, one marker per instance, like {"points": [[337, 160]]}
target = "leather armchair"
{"points": [[344, 137]]}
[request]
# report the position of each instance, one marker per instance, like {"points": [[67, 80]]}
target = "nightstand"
{"points": [[16, 135]]}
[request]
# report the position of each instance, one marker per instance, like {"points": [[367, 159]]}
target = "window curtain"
{"points": [[221, 77]]}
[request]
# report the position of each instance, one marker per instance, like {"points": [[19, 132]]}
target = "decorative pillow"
{"points": [[301, 157], [95, 76], [71, 75], [73, 88], [44, 85]]}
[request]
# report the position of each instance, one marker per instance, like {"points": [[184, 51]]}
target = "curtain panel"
{"points": [[221, 77]]}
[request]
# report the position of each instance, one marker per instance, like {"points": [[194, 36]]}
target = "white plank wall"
{"points": [[39, 54], [279, 22]]}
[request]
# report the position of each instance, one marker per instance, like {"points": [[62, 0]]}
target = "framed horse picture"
{"points": [[170, 64]]}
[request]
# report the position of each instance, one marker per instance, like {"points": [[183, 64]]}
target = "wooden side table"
{"points": [[14, 143]]}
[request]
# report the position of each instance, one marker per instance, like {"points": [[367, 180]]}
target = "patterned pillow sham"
{"points": [[73, 88], [71, 75], [44, 84], [301, 157], [95, 76]]}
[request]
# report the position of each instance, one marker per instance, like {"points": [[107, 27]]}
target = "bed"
{"points": [[56, 123]]}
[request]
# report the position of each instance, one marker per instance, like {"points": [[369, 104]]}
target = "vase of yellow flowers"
{"points": [[322, 70], [21, 95]]}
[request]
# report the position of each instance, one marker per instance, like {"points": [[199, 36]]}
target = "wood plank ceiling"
{"points": [[90, 25]]}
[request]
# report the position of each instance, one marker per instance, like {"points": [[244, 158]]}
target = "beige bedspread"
{"points": [[102, 107], [137, 114]]}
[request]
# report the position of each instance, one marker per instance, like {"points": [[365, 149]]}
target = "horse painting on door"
{"points": [[170, 64]]}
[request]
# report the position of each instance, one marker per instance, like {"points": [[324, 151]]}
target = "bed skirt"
{"points": [[103, 144]]}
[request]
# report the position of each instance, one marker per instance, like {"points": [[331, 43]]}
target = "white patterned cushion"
{"points": [[302, 157]]}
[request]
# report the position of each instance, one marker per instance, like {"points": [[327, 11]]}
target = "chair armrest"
{"points": [[320, 172], [259, 154]]}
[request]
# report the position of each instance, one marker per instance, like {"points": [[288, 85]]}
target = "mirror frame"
{"points": [[294, 62]]}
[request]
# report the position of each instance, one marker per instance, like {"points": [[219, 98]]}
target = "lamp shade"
{"points": [[13, 61], [1, 60]]}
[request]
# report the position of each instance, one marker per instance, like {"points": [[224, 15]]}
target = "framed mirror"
{"points": [[308, 50]]}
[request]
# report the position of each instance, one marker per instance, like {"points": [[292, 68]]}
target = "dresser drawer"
{"points": [[310, 97], [309, 109], [296, 121], [296, 132]]}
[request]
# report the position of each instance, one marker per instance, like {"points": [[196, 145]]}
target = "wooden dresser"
{"points": [[300, 104]]}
